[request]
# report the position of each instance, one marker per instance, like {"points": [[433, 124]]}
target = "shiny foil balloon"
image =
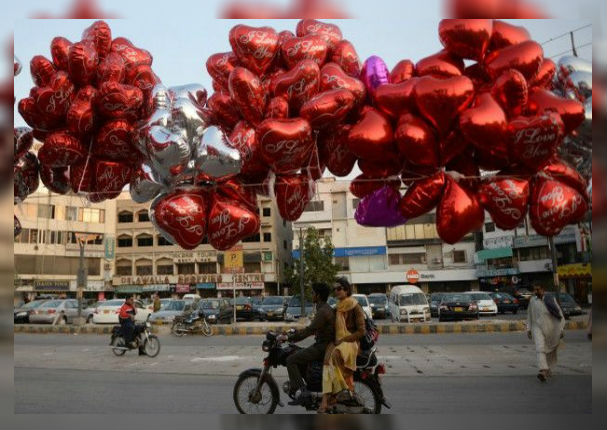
{"points": [[286, 144], [229, 222], [374, 74], [255, 47], [328, 108], [396, 99], [511, 92], [298, 85], [416, 141], [506, 200], [329, 32], [443, 64], [55, 179], [309, 47], [332, 76], [247, 94], [293, 192], [364, 185], [526, 57], [565, 173], [25, 176], [380, 209], [535, 139], [458, 213], [505, 34], [216, 157], [372, 137], [422, 196], [402, 71], [466, 38], [335, 151], [344, 54]]}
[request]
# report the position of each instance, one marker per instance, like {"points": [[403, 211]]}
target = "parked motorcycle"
{"points": [[194, 322], [256, 390], [143, 336]]}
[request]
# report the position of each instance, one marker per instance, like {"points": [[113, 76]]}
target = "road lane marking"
{"points": [[218, 358]]}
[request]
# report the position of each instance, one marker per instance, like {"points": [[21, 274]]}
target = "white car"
{"points": [[107, 312], [486, 304], [363, 301]]}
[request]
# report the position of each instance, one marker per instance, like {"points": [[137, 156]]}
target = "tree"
{"points": [[318, 264]]}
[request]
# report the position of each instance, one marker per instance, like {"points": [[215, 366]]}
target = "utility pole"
{"points": [[555, 275], [301, 272], [573, 44]]}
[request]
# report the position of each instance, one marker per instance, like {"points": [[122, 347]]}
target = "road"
{"points": [[457, 373]]}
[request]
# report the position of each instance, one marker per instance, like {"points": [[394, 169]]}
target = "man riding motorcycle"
{"points": [[323, 329], [126, 316]]}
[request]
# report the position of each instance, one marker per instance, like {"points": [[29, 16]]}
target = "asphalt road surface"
{"points": [[426, 374]]}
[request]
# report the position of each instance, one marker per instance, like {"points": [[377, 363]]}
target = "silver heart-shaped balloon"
{"points": [[144, 186], [168, 151], [194, 92], [216, 157], [569, 64]]}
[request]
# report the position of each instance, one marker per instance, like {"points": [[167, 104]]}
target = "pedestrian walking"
{"points": [[156, 300], [545, 324]]}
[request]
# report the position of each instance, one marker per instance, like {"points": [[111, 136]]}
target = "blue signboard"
{"points": [[205, 286], [359, 251]]}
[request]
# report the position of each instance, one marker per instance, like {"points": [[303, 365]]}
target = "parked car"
{"points": [[88, 311], [363, 301], [523, 295], [55, 312], [505, 302], [168, 311], [22, 313], [408, 303], [217, 310], [568, 305], [485, 303], [435, 299], [273, 307], [457, 306], [107, 312], [245, 309], [379, 305], [293, 311], [256, 303]]}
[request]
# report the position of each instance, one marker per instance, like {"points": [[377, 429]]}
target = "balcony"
{"points": [[531, 266]]}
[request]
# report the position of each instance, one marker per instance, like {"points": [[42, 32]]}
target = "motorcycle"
{"points": [[194, 322], [256, 390], [142, 337]]}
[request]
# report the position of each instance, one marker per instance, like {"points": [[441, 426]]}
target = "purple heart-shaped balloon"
{"points": [[374, 73], [380, 209]]}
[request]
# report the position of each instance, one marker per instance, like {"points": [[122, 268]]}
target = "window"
{"points": [[534, 253], [124, 270], [71, 213], [125, 241], [207, 267], [355, 203], [267, 237], [145, 240], [343, 262], [162, 241], [143, 270], [164, 269], [315, 206], [459, 256], [89, 215], [46, 211], [252, 268], [143, 216], [252, 238], [414, 258], [186, 269], [33, 236], [267, 212], [489, 227], [125, 216]]}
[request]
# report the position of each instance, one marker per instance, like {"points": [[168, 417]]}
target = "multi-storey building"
{"points": [[146, 261]]}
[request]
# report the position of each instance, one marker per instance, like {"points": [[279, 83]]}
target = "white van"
{"points": [[408, 303]]}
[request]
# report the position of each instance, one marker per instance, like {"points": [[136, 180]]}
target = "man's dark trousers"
{"points": [[128, 329], [315, 352]]}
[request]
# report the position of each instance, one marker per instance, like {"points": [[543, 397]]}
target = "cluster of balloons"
{"points": [[444, 126], [84, 109]]}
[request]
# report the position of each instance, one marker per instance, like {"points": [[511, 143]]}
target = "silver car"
{"points": [[168, 311], [55, 312]]}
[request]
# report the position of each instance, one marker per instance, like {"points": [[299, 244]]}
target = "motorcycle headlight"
{"points": [[147, 324], [21, 314]]}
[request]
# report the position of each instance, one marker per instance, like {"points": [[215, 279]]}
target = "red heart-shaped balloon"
{"points": [[535, 139], [452, 146], [403, 71], [118, 100], [38, 121], [42, 70], [82, 176], [372, 137], [229, 223], [56, 179], [220, 66], [441, 100], [293, 192], [458, 212], [60, 49], [114, 141], [560, 171], [181, 216], [144, 78], [60, 149], [506, 200], [310, 47], [278, 107], [315, 167], [332, 76], [54, 99], [82, 63], [345, 56], [443, 64], [465, 164], [131, 55], [298, 85], [244, 138], [99, 35], [111, 177], [223, 111], [255, 47], [25, 176], [285, 35], [505, 34], [485, 126], [111, 68], [416, 141], [380, 168], [554, 205], [479, 76], [510, 91], [364, 185], [328, 108], [466, 38], [571, 111], [329, 32], [525, 57], [335, 152], [235, 190], [545, 75], [422, 196], [80, 117], [24, 139], [396, 99], [248, 94], [286, 144]]}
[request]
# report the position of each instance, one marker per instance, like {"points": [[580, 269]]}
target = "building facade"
{"points": [[146, 262]]}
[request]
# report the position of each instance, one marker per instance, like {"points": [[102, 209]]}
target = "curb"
{"points": [[242, 330]]}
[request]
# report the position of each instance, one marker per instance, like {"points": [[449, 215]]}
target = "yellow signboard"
{"points": [[233, 259]]}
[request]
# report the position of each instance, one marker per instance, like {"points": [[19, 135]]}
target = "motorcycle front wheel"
{"points": [[118, 342], [178, 329], [206, 328], [249, 402], [369, 395], [151, 346]]}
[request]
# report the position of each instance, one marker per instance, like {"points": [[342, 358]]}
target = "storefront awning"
{"points": [[488, 254], [128, 289], [577, 270]]}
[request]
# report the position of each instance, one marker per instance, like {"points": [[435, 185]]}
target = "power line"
{"points": [[570, 50], [566, 34]]}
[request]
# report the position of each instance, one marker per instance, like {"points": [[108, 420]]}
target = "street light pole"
{"points": [[301, 272], [555, 274], [81, 278]]}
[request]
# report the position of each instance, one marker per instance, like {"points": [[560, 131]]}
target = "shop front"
{"points": [[93, 290], [206, 289], [53, 288], [577, 281]]}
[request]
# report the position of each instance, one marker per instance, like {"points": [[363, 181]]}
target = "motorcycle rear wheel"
{"points": [[178, 329], [118, 341]]}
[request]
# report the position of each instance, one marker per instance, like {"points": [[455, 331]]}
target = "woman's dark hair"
{"points": [[322, 290], [343, 282]]}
